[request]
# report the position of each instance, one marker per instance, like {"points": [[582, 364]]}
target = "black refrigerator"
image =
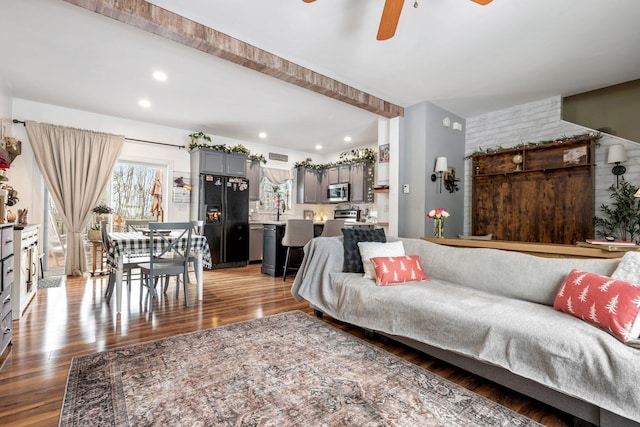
{"points": [[224, 207]]}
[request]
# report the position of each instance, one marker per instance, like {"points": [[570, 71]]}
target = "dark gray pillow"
{"points": [[352, 260]]}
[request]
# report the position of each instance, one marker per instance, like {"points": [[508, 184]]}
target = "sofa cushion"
{"points": [[370, 250], [400, 269], [629, 268], [611, 304], [352, 261]]}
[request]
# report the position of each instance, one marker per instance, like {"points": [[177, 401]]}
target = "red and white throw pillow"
{"points": [[399, 269], [609, 303]]}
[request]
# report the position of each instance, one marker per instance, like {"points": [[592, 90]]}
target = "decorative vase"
{"points": [[103, 217], [94, 235], [438, 228], [11, 217]]}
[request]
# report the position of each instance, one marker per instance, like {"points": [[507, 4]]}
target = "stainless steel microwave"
{"points": [[338, 192]]}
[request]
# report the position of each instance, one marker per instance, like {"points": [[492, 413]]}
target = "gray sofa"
{"points": [[489, 312]]}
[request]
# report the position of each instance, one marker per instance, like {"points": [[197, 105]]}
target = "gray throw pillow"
{"points": [[352, 259]]}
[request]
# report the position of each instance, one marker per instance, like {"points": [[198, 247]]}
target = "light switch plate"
{"points": [[405, 189]]}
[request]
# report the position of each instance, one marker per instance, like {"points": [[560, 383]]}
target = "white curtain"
{"points": [[276, 176], [76, 165]]}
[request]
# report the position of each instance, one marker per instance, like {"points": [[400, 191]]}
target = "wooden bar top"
{"points": [[552, 250]]}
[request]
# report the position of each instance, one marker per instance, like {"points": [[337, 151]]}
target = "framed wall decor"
{"points": [[383, 153]]}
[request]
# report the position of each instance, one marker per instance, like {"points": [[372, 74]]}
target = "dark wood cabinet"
{"points": [[540, 193]]}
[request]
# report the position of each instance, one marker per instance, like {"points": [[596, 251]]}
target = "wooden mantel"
{"points": [[550, 250], [154, 19]]}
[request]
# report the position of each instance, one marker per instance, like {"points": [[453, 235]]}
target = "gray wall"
{"points": [[424, 138]]}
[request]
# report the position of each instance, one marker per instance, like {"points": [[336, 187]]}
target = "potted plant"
{"points": [[622, 220], [102, 212], [95, 233]]}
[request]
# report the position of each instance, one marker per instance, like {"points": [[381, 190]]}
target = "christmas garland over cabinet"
{"points": [[540, 193]]}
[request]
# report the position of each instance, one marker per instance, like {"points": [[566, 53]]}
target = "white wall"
{"points": [[541, 121]]}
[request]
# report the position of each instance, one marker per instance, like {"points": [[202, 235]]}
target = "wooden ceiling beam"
{"points": [[156, 20]]}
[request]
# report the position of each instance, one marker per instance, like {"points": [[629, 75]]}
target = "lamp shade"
{"points": [[617, 154], [441, 164]]}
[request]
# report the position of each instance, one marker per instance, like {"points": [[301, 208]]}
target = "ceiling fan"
{"points": [[391, 15]]}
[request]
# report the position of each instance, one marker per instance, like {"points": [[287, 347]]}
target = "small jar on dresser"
{"points": [[6, 286]]}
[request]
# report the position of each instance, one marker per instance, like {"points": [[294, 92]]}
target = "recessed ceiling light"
{"points": [[318, 147], [144, 103], [159, 76], [347, 139], [262, 135]]}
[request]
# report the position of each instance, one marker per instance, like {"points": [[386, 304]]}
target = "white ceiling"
{"points": [[466, 58]]}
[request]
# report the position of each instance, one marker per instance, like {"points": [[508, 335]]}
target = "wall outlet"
{"points": [[405, 189]]}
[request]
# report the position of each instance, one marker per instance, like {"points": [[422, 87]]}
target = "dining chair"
{"points": [[129, 263], [137, 224], [169, 256], [297, 233], [198, 230], [332, 227]]}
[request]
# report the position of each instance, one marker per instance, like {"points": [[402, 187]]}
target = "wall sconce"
{"points": [[440, 169], [617, 155]]}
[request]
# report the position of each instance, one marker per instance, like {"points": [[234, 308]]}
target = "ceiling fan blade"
{"points": [[311, 1], [390, 18], [482, 2]]}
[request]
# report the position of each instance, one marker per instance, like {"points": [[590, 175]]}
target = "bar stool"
{"points": [[297, 233], [332, 227]]}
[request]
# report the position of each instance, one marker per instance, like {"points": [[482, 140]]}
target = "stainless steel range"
{"points": [[349, 215]]}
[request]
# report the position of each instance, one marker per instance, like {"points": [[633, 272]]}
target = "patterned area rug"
{"points": [[50, 282], [288, 369]]}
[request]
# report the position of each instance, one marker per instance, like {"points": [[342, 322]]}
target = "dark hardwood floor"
{"points": [[74, 319]]}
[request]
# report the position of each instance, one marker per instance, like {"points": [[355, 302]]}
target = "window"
{"points": [[130, 189], [270, 193]]}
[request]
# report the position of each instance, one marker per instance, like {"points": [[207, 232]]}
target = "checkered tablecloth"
{"points": [[137, 244]]}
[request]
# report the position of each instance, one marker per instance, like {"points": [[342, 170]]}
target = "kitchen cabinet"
{"points": [[253, 175], [542, 193], [273, 253], [309, 182], [6, 286], [312, 183], [206, 160], [361, 182], [25, 249], [338, 174]]}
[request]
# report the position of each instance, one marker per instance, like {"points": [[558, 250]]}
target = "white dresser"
{"points": [[25, 250]]}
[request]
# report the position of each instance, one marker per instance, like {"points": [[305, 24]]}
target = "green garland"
{"points": [[593, 135], [351, 156], [239, 148]]}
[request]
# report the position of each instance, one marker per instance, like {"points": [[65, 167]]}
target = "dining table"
{"points": [[137, 244]]}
